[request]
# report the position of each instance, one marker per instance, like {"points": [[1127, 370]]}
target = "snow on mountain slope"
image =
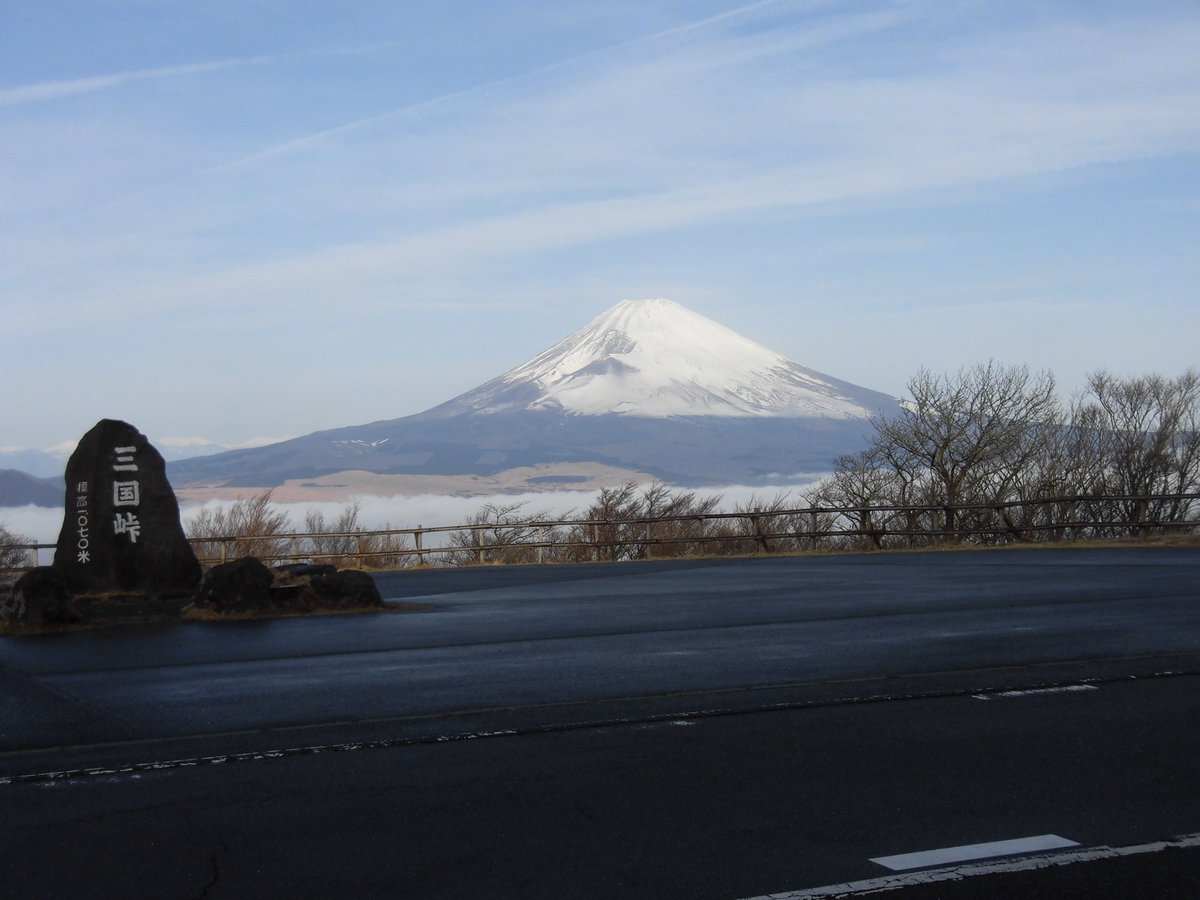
{"points": [[657, 359]]}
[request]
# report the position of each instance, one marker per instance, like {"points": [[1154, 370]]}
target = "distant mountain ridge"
{"points": [[29, 476], [22, 489], [648, 386]]}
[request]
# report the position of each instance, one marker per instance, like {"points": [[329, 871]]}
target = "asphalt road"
{"points": [[709, 729]]}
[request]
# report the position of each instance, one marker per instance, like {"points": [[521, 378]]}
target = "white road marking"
{"points": [[940, 857], [994, 867], [1064, 689]]}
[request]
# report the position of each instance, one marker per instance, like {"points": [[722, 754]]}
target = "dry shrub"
{"points": [[11, 556], [344, 544], [617, 525], [252, 526], [501, 534]]}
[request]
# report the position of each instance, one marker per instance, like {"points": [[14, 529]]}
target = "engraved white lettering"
{"points": [[126, 493], [125, 459], [127, 524]]}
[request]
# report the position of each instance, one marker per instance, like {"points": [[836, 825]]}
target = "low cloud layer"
{"points": [[378, 513]]}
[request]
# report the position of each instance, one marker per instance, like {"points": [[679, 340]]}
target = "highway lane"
{"points": [[695, 705], [723, 807], [596, 633]]}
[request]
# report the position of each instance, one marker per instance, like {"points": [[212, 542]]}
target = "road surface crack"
{"points": [[214, 859]]}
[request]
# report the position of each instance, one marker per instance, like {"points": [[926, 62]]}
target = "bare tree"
{"points": [[251, 526], [344, 542], [618, 525], [499, 534], [332, 542], [606, 532], [973, 434], [862, 483], [1143, 437], [687, 532], [769, 525], [12, 557]]}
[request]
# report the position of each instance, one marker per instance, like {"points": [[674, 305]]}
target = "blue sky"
{"points": [[240, 220]]}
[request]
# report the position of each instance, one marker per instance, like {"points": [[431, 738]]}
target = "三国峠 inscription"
{"points": [[126, 493]]}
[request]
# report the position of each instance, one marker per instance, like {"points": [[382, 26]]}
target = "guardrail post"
{"points": [[869, 529], [756, 524], [812, 526], [417, 535], [541, 550]]}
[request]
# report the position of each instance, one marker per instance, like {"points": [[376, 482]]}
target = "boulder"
{"points": [[121, 530], [246, 585], [40, 597], [343, 590], [243, 585]]}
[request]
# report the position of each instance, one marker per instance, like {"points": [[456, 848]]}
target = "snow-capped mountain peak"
{"points": [[648, 389], [656, 359]]}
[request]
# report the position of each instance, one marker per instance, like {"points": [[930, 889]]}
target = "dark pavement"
{"points": [[709, 729]]}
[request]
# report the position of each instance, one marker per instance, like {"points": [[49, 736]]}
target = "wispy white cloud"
{"points": [[667, 146], [805, 143], [843, 29], [56, 90]]}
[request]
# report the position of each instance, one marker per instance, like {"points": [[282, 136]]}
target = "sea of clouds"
{"points": [[42, 524]]}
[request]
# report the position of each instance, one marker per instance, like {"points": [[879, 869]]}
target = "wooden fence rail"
{"points": [[1078, 517]]}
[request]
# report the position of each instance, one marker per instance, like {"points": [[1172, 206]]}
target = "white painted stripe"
{"points": [[1068, 688], [994, 867], [926, 858]]}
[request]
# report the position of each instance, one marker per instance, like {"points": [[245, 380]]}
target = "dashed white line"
{"points": [[993, 867], [940, 857], [1032, 692]]}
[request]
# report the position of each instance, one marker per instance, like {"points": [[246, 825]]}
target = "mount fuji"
{"points": [[658, 359], [647, 389]]}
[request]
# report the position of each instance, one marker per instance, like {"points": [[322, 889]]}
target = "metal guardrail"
{"points": [[756, 531]]}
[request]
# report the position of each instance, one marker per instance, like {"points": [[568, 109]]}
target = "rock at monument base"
{"points": [[121, 528], [247, 586], [243, 585], [343, 590], [40, 598]]}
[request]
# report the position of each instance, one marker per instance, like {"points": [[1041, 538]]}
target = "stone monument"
{"points": [[121, 530]]}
